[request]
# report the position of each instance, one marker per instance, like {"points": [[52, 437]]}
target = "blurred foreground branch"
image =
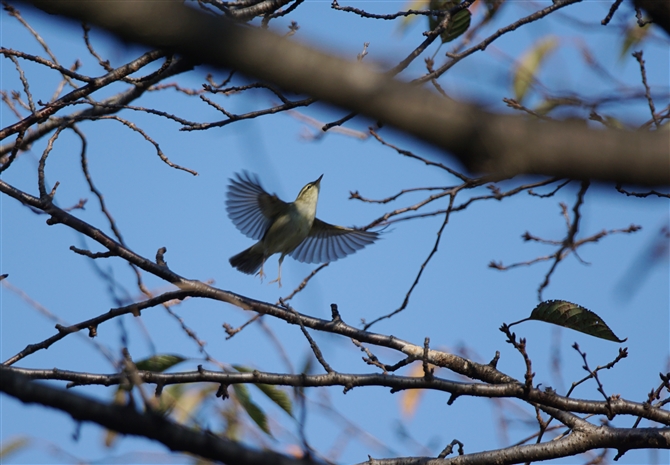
{"points": [[485, 142], [658, 10], [126, 420]]}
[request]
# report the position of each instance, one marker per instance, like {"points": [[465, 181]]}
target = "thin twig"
{"points": [[401, 14], [594, 375], [409, 154], [315, 348], [50, 109], [103, 208], [647, 91], [15, 151], [610, 14], [456, 57], [304, 282], [15, 13], [92, 324], [642, 194], [421, 270], [24, 81], [249, 115]]}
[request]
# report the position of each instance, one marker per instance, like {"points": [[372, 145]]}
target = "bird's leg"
{"points": [[278, 280], [261, 273]]}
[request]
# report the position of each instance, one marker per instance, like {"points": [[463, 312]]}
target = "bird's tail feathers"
{"points": [[248, 261]]}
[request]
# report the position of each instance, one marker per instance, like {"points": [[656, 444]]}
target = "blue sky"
{"points": [[459, 302]]}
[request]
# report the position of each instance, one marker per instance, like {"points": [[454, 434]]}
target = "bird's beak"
{"points": [[318, 181]]}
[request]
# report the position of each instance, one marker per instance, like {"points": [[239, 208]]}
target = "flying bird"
{"points": [[289, 228]]}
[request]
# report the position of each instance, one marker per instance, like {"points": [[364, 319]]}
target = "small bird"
{"points": [[286, 228]]}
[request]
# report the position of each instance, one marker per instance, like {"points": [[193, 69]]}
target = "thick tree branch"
{"points": [[578, 442], [196, 288], [501, 144], [126, 420], [513, 389]]}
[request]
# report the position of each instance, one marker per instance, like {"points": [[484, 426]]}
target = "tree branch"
{"points": [[502, 144], [126, 420], [658, 10], [512, 389]]}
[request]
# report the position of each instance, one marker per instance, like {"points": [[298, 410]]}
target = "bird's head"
{"points": [[310, 193]]}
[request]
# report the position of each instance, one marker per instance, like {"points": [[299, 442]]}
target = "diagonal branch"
{"points": [[93, 323], [95, 84], [110, 105], [199, 289], [504, 144]]}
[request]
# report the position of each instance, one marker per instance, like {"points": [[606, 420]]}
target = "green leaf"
{"points": [[530, 62], [459, 23], [159, 363], [573, 316], [253, 410], [276, 395]]}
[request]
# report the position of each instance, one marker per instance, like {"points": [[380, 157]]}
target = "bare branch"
{"points": [[150, 425], [52, 107], [502, 144], [647, 92]]}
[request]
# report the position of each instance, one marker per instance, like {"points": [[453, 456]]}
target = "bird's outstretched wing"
{"points": [[250, 207], [327, 243]]}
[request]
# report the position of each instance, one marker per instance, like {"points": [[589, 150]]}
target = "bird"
{"points": [[288, 228]]}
